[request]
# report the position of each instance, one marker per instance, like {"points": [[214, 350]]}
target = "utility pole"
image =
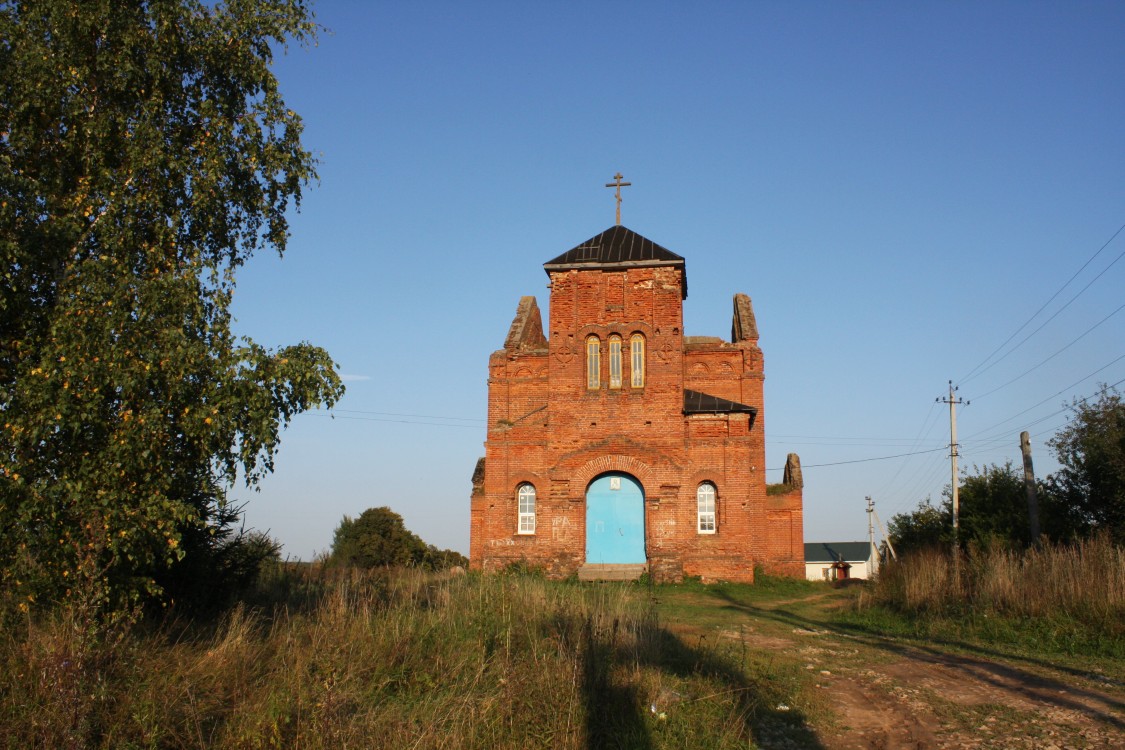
{"points": [[874, 551], [1029, 485], [956, 503], [953, 456]]}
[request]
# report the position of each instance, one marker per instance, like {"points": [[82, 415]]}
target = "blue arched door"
{"points": [[615, 520]]}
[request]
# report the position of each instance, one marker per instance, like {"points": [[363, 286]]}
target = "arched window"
{"points": [[705, 502], [637, 360], [593, 363], [614, 361], [526, 495]]}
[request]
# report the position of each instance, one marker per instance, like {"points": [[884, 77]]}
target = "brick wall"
{"points": [[547, 428]]}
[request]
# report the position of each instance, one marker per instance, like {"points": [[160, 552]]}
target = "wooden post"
{"points": [[886, 536], [1029, 485]]}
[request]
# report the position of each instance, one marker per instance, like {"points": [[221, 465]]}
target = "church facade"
{"points": [[618, 443]]}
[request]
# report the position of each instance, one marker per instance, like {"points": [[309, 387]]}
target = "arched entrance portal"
{"points": [[615, 520]]}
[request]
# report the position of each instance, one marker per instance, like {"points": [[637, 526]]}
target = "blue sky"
{"points": [[898, 187]]}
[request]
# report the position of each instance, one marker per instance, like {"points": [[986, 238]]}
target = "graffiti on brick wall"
{"points": [[561, 529]]}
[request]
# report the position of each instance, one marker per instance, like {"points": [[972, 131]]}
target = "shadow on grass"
{"points": [[617, 716], [988, 669], [613, 715]]}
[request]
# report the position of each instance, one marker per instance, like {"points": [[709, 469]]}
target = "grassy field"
{"points": [[396, 660], [346, 659]]}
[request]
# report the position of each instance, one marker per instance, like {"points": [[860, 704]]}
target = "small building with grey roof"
{"points": [[837, 561]]}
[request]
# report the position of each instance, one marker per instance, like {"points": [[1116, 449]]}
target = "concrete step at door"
{"points": [[611, 572]]}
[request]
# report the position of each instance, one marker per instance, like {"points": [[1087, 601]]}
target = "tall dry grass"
{"points": [[1084, 581], [383, 660]]}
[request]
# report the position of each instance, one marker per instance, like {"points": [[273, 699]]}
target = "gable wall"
{"points": [[547, 428]]}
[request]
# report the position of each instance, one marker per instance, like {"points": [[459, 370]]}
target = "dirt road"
{"points": [[862, 690]]}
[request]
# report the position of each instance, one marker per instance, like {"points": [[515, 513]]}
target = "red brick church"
{"points": [[617, 444]]}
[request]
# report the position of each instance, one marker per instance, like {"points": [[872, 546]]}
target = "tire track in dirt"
{"points": [[886, 694]]}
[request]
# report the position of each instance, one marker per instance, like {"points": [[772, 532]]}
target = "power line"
{"points": [[855, 442], [1056, 314], [1046, 417], [1048, 359], [862, 460], [937, 467], [925, 475], [1040, 403], [844, 437], [974, 372], [396, 421], [917, 442], [415, 416]]}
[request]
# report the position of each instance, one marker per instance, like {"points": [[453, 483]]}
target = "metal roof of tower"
{"points": [[616, 247]]}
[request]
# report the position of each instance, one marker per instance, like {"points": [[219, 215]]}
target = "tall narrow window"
{"points": [[615, 361], [593, 363], [527, 509], [705, 500], [637, 349]]}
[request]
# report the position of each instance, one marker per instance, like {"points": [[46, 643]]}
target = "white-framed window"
{"points": [[593, 363], [637, 360], [526, 496], [705, 502], [614, 361]]}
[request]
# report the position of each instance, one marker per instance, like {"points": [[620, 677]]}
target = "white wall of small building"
{"points": [[860, 569]]}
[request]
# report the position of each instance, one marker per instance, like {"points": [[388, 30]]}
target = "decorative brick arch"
{"points": [[525, 477], [602, 464]]}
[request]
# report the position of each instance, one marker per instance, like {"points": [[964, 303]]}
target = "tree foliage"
{"points": [[993, 505], [379, 538], [925, 526], [1091, 453], [993, 510], [145, 154]]}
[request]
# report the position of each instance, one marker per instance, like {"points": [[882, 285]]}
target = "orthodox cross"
{"points": [[617, 183]]}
